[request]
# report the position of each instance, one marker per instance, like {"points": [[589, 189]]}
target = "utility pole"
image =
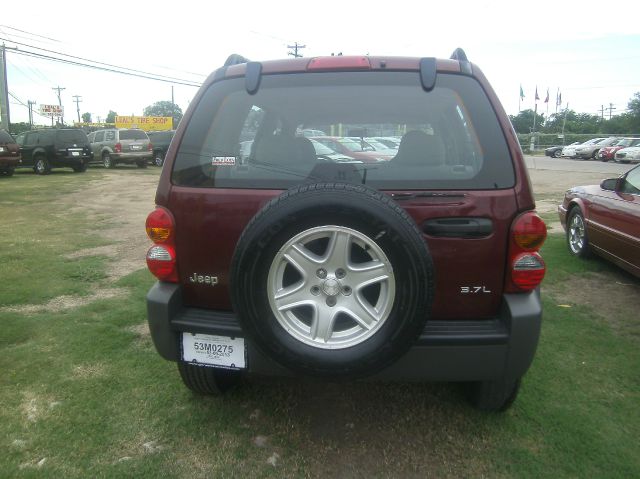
{"points": [[30, 105], [602, 111], [78, 100], [611, 108], [59, 89], [4, 91], [172, 102], [295, 48]]}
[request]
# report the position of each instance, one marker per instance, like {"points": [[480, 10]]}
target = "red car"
{"points": [[9, 154], [609, 152], [352, 148], [605, 219]]}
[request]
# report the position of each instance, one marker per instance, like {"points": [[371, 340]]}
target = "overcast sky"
{"points": [[588, 50]]}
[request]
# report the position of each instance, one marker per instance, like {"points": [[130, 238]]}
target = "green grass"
{"points": [[84, 389]]}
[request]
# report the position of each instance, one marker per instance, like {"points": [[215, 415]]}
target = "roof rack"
{"points": [[235, 59], [461, 56]]}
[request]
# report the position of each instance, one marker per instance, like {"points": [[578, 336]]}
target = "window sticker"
{"points": [[223, 161]]}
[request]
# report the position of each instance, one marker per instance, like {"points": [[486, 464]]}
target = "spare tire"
{"points": [[332, 279]]}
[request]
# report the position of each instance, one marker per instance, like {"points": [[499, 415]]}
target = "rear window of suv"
{"points": [[133, 135], [450, 137], [71, 136]]}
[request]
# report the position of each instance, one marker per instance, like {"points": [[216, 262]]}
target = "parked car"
{"points": [[160, 140], [309, 132], [114, 146], [605, 219], [50, 148], [353, 148], [380, 148], [627, 155], [591, 151], [388, 141], [326, 153], [9, 154], [423, 267], [609, 152], [570, 151], [556, 151]]}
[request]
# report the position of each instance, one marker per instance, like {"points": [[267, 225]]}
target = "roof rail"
{"points": [[235, 59], [461, 56]]}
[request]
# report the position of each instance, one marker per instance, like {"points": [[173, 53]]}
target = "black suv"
{"points": [[160, 141], [289, 261], [45, 149]]}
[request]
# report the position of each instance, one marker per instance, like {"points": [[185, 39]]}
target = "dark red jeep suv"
{"points": [[424, 266]]}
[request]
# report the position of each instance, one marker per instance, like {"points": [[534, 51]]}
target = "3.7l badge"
{"points": [[203, 279]]}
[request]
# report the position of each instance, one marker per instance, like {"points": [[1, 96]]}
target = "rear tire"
{"points": [[494, 396], [557, 154], [208, 381], [141, 164], [158, 158], [42, 166], [107, 161], [80, 169], [8, 172]]}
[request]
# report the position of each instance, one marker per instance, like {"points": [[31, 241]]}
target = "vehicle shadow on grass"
{"points": [[368, 429]]}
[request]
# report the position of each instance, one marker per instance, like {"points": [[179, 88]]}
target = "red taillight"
{"points": [[161, 257], [118, 148], [526, 266], [149, 147], [339, 63]]}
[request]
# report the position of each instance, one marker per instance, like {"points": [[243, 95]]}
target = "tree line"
{"points": [[574, 122]]}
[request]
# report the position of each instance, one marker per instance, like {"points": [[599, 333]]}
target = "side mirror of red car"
{"points": [[609, 184]]}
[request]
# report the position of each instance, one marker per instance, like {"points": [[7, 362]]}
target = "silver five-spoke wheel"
{"points": [[331, 287], [576, 234]]}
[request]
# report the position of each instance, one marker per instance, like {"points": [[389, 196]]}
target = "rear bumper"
{"points": [[9, 162], [132, 157], [469, 350]]}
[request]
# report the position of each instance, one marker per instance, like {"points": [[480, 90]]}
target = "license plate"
{"points": [[75, 153], [208, 350], [135, 147]]}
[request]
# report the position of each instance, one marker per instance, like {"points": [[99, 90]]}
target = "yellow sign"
{"points": [[146, 123]]}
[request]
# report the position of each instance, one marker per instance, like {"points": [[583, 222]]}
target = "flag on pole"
{"points": [[521, 93], [537, 97], [559, 98], [546, 100]]}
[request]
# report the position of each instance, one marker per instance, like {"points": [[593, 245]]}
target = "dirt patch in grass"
{"points": [[63, 303], [613, 296], [89, 371], [118, 204]]}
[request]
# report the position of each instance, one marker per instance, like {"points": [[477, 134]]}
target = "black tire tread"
{"points": [[205, 380], [423, 274]]}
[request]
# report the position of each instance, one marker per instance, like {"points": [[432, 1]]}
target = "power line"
{"points": [[29, 33], [87, 60], [17, 51]]}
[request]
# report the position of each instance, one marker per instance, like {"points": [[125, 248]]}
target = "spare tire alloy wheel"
{"points": [[332, 279], [158, 158], [332, 286]]}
